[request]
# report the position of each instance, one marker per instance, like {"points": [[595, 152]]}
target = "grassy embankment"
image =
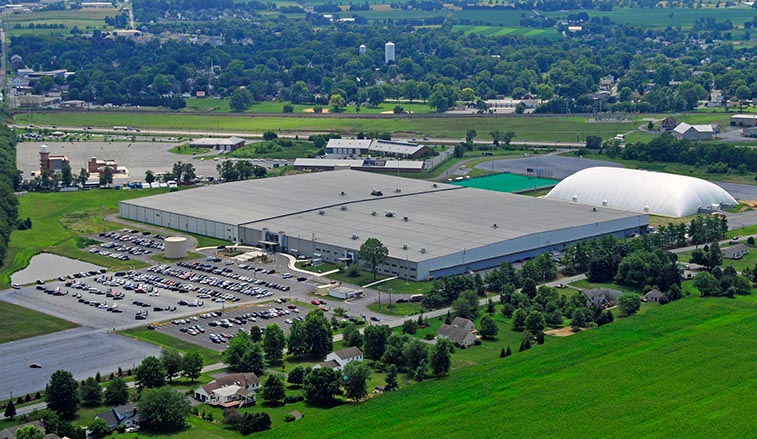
{"points": [[17, 323]]}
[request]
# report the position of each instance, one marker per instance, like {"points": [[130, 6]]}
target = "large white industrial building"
{"points": [[430, 229], [657, 193]]}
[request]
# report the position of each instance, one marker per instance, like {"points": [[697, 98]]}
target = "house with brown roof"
{"points": [[230, 390], [338, 359], [668, 124]]}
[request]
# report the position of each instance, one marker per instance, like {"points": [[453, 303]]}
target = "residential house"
{"points": [[459, 336], [464, 323], [604, 297], [338, 359], [655, 296], [231, 390], [125, 415], [695, 132], [735, 251], [668, 124]]}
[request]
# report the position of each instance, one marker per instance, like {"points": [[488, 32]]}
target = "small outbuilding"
{"points": [[226, 144], [345, 293], [338, 359], [695, 132], [655, 296]]}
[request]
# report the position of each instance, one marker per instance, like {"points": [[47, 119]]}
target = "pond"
{"points": [[49, 266]]}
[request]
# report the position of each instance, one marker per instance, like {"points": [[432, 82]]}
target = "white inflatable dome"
{"points": [[656, 193]]}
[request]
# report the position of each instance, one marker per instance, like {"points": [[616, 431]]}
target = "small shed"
{"points": [[345, 293]]}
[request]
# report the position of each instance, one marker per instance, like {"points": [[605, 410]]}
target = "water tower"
{"points": [[361, 49], [389, 52], [44, 157]]}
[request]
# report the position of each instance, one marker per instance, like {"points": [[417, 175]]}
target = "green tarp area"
{"points": [[506, 182]]}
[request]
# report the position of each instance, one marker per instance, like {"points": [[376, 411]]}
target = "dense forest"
{"points": [[9, 181]]}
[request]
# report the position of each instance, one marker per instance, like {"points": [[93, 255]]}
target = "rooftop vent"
{"points": [[404, 246], [354, 237], [321, 212], [342, 193], [434, 185], [405, 219], [398, 190], [389, 214], [376, 193], [494, 226], [343, 208], [374, 213], [423, 251]]}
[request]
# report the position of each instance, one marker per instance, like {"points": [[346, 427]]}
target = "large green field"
{"points": [[84, 19], [547, 129], [59, 220], [276, 107], [680, 370], [17, 323]]}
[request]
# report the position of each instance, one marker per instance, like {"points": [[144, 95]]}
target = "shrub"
{"points": [[291, 399], [289, 417]]}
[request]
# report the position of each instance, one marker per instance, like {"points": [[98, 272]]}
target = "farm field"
{"points": [[222, 106], [660, 374], [499, 31], [59, 220], [547, 129], [17, 323], [84, 19]]}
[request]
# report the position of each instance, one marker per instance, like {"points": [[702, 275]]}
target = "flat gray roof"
{"points": [[442, 222], [255, 200]]}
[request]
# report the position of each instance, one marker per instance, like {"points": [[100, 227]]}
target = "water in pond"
{"points": [[49, 266]]}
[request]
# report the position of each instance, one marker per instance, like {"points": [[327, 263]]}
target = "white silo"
{"points": [[388, 52], [176, 247], [361, 49]]}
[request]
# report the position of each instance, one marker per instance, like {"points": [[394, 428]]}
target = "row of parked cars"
{"points": [[119, 247], [107, 253], [135, 237]]}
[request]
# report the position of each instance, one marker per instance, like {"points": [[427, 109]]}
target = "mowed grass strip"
{"points": [[17, 323], [680, 370], [163, 340]]}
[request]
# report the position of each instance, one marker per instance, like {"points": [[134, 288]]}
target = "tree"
{"points": [[254, 422], [441, 358], [30, 432], [66, 176], [356, 375], [150, 373], [581, 318], [98, 428], [489, 328], [337, 103], [171, 361], [297, 375], [409, 327], [629, 303], [375, 337], [270, 135], [714, 257], [466, 305], [593, 142], [62, 395], [352, 336], [319, 335], [10, 410], [519, 320], [470, 135], [273, 389], [191, 365], [274, 342], [83, 176], [321, 385], [90, 393], [535, 321], [297, 340], [149, 176], [163, 410], [240, 100], [391, 378], [116, 392], [373, 253]]}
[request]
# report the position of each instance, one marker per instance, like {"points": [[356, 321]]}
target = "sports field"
{"points": [[506, 182]]}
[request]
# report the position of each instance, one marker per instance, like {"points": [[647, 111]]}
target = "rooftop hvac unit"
{"points": [[374, 213], [405, 219], [342, 193], [398, 190], [646, 209], [343, 208], [494, 226], [423, 251], [354, 237], [321, 212], [604, 203], [404, 246], [389, 214], [574, 198], [434, 185]]}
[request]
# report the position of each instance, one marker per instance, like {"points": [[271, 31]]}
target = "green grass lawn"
{"points": [[747, 261], [547, 129], [17, 323], [189, 150], [679, 370], [84, 19], [59, 220], [166, 341]]}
